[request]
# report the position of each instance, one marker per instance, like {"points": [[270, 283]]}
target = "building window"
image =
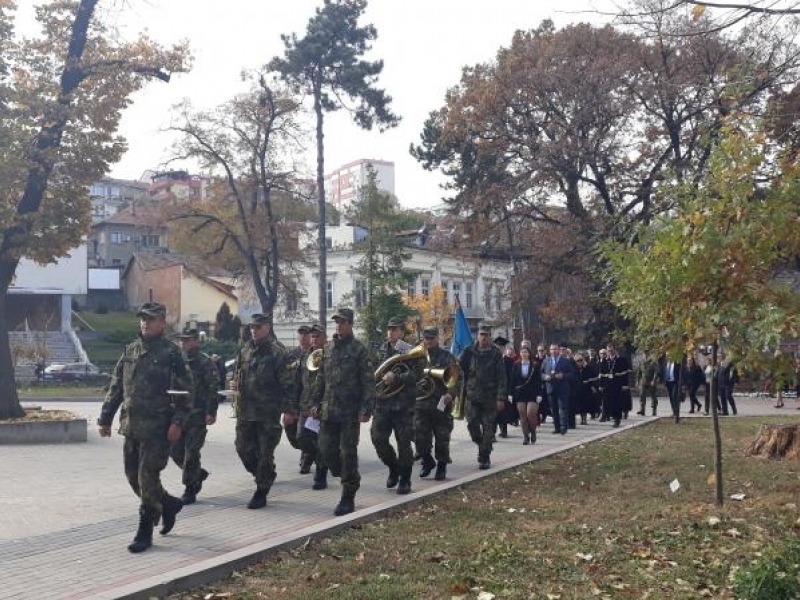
{"points": [[150, 241], [411, 288], [445, 286], [487, 298], [498, 299], [116, 262], [456, 291], [425, 284], [115, 237], [329, 243], [291, 301], [360, 293], [329, 293], [468, 294]]}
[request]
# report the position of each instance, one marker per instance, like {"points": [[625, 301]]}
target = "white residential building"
{"points": [[341, 185]]}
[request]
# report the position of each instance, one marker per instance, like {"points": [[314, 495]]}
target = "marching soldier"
{"points": [[648, 380], [486, 385], [343, 398], [306, 437], [396, 413], [186, 451], [150, 419], [292, 428], [266, 389], [433, 414]]}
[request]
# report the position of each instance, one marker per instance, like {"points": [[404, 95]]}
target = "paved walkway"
{"points": [[67, 513]]}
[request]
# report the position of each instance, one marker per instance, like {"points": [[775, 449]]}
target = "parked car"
{"points": [[78, 371]]}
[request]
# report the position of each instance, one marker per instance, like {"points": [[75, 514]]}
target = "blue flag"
{"points": [[462, 336]]}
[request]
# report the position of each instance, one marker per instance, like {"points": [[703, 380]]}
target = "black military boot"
{"points": [[484, 462], [441, 471], [427, 465], [393, 477], [320, 478], [259, 499], [144, 533], [190, 492], [306, 460], [405, 481], [347, 503], [171, 506]]}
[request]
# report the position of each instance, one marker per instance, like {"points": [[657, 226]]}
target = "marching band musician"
{"points": [[307, 438], [396, 413], [433, 413], [292, 429]]}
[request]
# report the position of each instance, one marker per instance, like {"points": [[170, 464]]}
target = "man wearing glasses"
{"points": [[266, 389]]}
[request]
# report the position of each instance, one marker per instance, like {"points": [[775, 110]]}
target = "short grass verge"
{"points": [[598, 521]]}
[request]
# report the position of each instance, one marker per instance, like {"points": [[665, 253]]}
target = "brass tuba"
{"points": [[314, 360], [449, 376], [396, 366]]}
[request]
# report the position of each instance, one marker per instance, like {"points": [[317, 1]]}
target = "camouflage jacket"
{"points": [[485, 375], [440, 358], [647, 373], [408, 378], [144, 373], [345, 383], [206, 378], [266, 382]]}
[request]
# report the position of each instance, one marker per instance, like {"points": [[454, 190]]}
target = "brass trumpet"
{"points": [[449, 376], [396, 366], [314, 360]]}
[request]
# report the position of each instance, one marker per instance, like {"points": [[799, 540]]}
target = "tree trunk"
{"points": [[9, 400], [322, 247], [776, 441], [719, 497]]}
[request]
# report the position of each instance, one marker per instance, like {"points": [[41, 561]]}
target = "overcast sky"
{"points": [[424, 45]]}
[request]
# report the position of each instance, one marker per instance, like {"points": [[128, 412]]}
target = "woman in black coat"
{"points": [[525, 391]]}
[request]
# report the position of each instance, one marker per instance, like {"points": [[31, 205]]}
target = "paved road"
{"points": [[67, 513]]}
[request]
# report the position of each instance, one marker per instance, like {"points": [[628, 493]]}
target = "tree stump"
{"points": [[776, 441]]}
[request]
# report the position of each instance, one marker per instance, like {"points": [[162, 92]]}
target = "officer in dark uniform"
{"points": [[433, 412], [266, 389], [487, 389], [150, 419], [343, 398], [396, 413], [186, 451]]}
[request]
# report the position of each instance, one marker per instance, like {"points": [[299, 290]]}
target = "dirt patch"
{"points": [[38, 415]]}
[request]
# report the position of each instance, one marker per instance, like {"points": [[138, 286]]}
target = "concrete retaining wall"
{"points": [[43, 432]]}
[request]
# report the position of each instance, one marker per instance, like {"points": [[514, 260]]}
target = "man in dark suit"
{"points": [[558, 372], [670, 372]]}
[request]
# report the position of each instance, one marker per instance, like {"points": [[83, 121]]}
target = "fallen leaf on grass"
{"points": [[582, 556], [733, 532], [217, 596], [437, 558], [485, 596], [714, 521], [738, 497], [459, 588]]}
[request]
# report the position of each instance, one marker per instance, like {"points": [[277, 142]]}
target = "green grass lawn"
{"points": [[598, 521], [113, 331]]}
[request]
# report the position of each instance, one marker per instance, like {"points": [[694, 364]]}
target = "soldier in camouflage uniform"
{"points": [[292, 429], [266, 389], [486, 386], [396, 413], [186, 451], [307, 438], [150, 419], [431, 422], [647, 373], [343, 398]]}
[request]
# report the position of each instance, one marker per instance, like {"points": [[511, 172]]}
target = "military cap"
{"points": [[316, 328], [304, 329], [152, 309], [346, 314], [396, 322], [259, 319], [188, 333], [430, 332], [485, 329], [501, 341]]}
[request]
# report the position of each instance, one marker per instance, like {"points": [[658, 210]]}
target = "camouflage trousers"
{"points": [[186, 453], [480, 424], [255, 444], [308, 441], [433, 425], [144, 460], [292, 432], [401, 422], [338, 444]]}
